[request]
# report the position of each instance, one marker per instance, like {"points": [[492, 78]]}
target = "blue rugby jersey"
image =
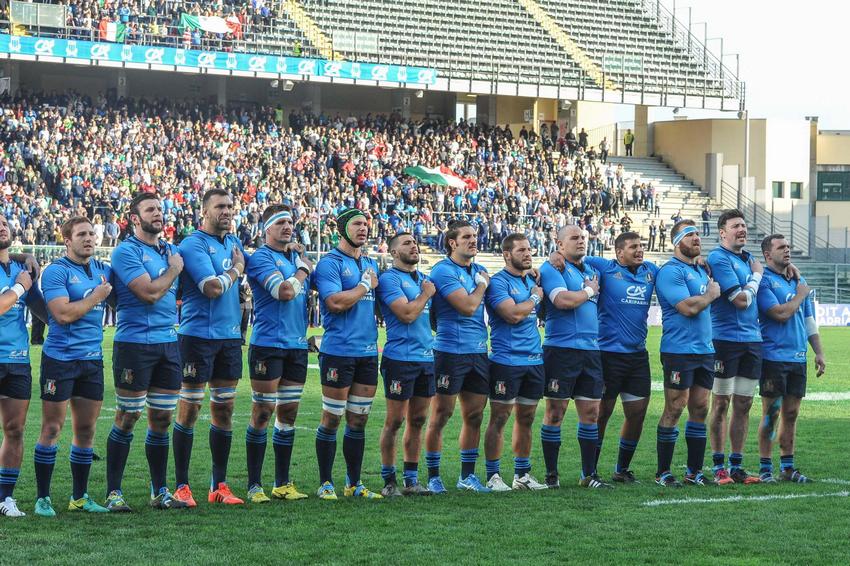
{"points": [[733, 272], [456, 333], [412, 342], [82, 339], [682, 334], [513, 344], [353, 333], [140, 322], [14, 344], [783, 341], [277, 324], [570, 328], [624, 298], [206, 256]]}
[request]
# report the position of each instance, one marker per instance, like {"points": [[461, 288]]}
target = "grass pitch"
{"points": [[802, 524]]}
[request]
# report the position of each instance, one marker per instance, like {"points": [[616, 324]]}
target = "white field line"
{"points": [[739, 498], [818, 396], [833, 481]]}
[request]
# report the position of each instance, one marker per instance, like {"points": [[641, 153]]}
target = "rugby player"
{"points": [[787, 321], [516, 363], [685, 293], [571, 356], [15, 371], [407, 364], [210, 343], [145, 359], [461, 366], [75, 287], [737, 344], [626, 285], [348, 355], [277, 356]]}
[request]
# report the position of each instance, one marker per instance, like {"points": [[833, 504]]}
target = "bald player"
{"points": [[571, 356]]}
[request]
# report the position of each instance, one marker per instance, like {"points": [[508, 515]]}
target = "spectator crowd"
{"points": [[68, 154]]}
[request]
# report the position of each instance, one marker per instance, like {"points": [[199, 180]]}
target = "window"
{"points": [[778, 189], [796, 190], [834, 185]]}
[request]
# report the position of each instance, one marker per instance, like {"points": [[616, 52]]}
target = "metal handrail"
{"points": [[562, 72], [800, 237]]}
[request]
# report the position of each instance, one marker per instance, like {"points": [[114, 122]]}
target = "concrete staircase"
{"points": [[677, 193]]}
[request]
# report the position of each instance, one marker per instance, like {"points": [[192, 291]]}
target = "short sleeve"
{"points": [[260, 267], [766, 298], [497, 292], [389, 289], [197, 262], [445, 282], [551, 279], [808, 304], [723, 273], [328, 278], [672, 286], [53, 283], [127, 264]]}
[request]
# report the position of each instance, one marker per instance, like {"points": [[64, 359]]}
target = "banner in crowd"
{"points": [[828, 314], [251, 62]]}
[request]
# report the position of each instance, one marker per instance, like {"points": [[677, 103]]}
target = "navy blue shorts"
{"points": [[461, 372], [683, 371], [572, 373], [732, 359], [75, 378], [403, 380], [267, 364], [508, 383], [626, 374], [783, 378], [210, 360], [15, 381], [140, 367], [340, 372]]}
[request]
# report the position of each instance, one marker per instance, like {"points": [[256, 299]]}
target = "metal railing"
{"points": [[684, 38], [280, 35]]}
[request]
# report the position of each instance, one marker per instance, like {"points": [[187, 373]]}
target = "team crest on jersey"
{"points": [[406, 284], [189, 370], [146, 258], [395, 387], [74, 280], [50, 387], [278, 263], [127, 376], [212, 250], [260, 368], [618, 275], [500, 388], [718, 366], [553, 385], [776, 285], [333, 375], [443, 381], [675, 377]]}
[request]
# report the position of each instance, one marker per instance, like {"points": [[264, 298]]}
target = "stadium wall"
{"points": [[833, 157]]}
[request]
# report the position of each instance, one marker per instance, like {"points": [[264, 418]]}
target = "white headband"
{"points": [[275, 217]]}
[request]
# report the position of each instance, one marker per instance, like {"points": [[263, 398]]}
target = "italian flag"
{"points": [[435, 177], [112, 31], [212, 24]]}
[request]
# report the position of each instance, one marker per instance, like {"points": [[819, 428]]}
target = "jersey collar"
{"points": [[743, 256]]}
